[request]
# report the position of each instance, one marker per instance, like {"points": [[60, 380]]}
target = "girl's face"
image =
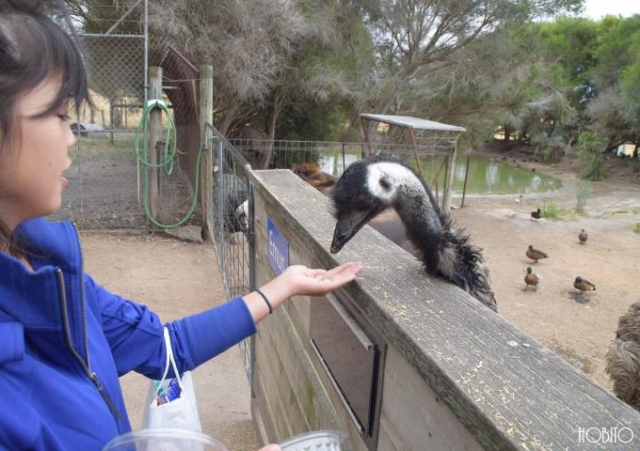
{"points": [[31, 179]]}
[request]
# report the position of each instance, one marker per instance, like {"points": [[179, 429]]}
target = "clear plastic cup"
{"points": [[325, 440], [160, 439]]}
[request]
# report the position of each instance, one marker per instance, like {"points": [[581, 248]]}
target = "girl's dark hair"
{"points": [[33, 47]]}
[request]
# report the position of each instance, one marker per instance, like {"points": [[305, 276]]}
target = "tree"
{"points": [[615, 112], [417, 38], [252, 44], [99, 16]]}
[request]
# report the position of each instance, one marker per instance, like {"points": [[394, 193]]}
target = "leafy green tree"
{"points": [[416, 39]]}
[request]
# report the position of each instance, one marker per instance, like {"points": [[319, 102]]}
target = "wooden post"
{"points": [[365, 135], [466, 176], [415, 150], [111, 120], [449, 177], [206, 158], [155, 135]]}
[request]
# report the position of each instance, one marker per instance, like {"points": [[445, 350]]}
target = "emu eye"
{"points": [[385, 184]]}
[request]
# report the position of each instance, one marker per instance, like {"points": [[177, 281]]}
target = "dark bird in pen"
{"points": [[623, 358], [536, 214], [531, 278], [311, 173], [583, 285], [583, 236], [370, 186], [535, 254]]}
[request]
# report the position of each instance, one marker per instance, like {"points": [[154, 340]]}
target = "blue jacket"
{"points": [[65, 340]]}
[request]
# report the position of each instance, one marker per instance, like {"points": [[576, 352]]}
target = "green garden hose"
{"points": [[169, 156]]}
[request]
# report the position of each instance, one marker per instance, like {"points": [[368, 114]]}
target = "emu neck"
{"points": [[421, 218]]}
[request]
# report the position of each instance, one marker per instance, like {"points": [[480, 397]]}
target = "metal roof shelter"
{"points": [[425, 138], [412, 122]]}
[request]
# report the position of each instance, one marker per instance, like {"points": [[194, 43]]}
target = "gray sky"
{"points": [[596, 9]]}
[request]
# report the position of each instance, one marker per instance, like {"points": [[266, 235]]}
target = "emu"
{"points": [[368, 187], [387, 223], [623, 358]]}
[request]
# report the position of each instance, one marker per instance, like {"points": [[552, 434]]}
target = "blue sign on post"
{"points": [[278, 249]]}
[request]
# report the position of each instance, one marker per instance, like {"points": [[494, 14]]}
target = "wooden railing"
{"points": [[431, 368]]}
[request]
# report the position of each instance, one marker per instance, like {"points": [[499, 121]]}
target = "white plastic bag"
{"points": [[171, 403]]}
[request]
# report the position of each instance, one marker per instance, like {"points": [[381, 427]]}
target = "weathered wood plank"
{"points": [[409, 401], [508, 390]]}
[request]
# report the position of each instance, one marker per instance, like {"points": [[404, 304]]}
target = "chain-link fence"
{"points": [[115, 167], [104, 189]]}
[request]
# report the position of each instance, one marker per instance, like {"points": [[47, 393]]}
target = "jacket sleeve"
{"points": [[135, 333]]}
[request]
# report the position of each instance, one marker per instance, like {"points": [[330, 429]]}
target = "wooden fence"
{"points": [[401, 361]]}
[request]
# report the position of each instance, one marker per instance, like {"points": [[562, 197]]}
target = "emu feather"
{"points": [[370, 186], [623, 358]]}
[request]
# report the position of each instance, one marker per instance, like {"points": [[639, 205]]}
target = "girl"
{"points": [[65, 339]]}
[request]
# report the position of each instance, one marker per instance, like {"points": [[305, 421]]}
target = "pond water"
{"points": [[494, 177], [486, 176]]}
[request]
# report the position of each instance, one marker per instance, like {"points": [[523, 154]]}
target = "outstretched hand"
{"points": [[298, 280], [318, 282], [271, 447]]}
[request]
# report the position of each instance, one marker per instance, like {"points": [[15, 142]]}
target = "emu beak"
{"points": [[346, 228]]}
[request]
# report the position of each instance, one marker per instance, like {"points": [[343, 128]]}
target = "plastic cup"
{"points": [[326, 440], [160, 439]]}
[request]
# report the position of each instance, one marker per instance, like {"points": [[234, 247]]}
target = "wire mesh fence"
{"points": [[233, 226], [429, 158]]}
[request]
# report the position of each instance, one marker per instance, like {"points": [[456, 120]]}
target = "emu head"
{"points": [[365, 189]]}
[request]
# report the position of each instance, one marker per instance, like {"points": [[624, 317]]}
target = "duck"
{"points": [[583, 285], [583, 236], [531, 278], [370, 186], [535, 254], [536, 214]]}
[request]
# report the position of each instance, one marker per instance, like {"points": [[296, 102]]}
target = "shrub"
{"points": [[549, 150], [582, 196], [590, 154], [636, 227], [551, 210]]}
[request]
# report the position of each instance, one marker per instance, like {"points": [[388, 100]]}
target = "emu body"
{"points": [[369, 187], [623, 358]]}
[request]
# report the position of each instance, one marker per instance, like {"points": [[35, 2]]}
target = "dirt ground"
{"points": [[577, 327], [176, 278]]}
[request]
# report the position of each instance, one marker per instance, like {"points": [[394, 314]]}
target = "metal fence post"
{"points": [[220, 203]]}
